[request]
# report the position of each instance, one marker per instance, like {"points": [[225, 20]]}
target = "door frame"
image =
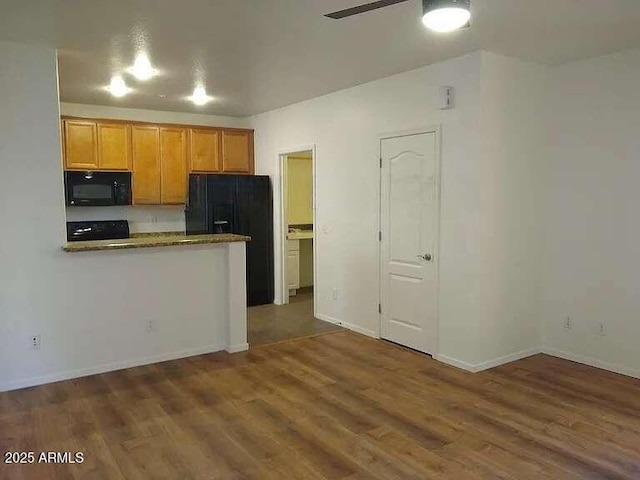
{"points": [[437, 130], [282, 234]]}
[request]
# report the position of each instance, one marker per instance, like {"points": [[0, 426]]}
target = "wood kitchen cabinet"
{"points": [[293, 265], [221, 151], [93, 145], [237, 151], [114, 146], [160, 156], [159, 165], [173, 166], [146, 165], [80, 145], [205, 150]]}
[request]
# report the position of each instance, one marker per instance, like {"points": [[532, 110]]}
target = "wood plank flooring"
{"points": [[336, 406], [275, 323]]}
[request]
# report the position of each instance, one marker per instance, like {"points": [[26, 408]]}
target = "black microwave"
{"points": [[97, 188]]}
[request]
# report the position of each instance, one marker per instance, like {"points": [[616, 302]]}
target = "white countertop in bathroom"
{"points": [[300, 235]]}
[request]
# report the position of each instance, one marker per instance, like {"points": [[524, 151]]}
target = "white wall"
{"points": [[91, 309], [142, 219], [148, 218], [299, 190], [509, 207], [152, 116], [592, 221], [345, 127]]}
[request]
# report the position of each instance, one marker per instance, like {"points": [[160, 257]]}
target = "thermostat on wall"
{"points": [[445, 100]]}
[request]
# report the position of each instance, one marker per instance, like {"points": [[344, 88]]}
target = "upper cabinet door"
{"points": [[114, 146], [237, 151], [146, 165], [205, 150], [173, 154], [80, 151]]}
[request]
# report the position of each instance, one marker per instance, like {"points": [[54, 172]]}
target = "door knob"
{"points": [[426, 257]]}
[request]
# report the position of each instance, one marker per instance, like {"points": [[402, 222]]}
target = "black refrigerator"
{"points": [[240, 204]]}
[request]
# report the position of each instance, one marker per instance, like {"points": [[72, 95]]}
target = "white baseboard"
{"points": [[328, 319], [243, 347], [514, 357], [456, 363], [85, 372], [479, 367], [592, 362], [348, 326]]}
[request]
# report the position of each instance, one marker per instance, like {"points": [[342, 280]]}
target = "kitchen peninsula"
{"points": [[152, 241], [167, 295]]}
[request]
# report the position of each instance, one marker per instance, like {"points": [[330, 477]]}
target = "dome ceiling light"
{"points": [[444, 16], [438, 15]]}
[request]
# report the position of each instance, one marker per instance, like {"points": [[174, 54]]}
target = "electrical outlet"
{"points": [[152, 326], [334, 294], [35, 342], [602, 328], [568, 323]]}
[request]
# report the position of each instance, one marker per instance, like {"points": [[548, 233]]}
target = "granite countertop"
{"points": [[153, 240]]}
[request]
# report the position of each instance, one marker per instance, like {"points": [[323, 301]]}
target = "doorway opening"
{"points": [[298, 222], [294, 315]]}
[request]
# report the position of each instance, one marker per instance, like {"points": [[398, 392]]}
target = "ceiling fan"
{"points": [[439, 15]]}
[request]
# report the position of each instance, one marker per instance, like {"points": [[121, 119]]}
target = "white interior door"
{"points": [[409, 224]]}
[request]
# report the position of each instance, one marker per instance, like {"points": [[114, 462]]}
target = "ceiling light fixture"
{"points": [[446, 15], [117, 87], [200, 96], [142, 68]]}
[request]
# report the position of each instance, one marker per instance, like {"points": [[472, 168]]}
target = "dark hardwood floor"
{"points": [[275, 323], [335, 406]]}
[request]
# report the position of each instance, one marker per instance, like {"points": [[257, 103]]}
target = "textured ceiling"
{"points": [[257, 55]]}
